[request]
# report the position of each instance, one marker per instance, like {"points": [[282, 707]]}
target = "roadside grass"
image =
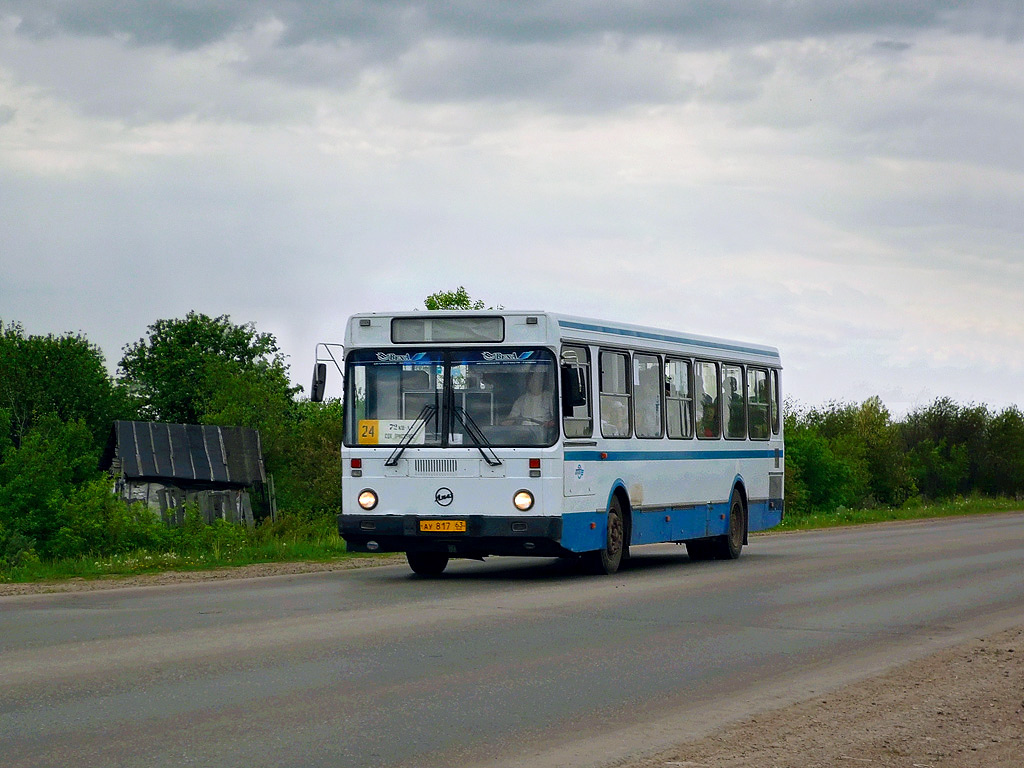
{"points": [[915, 509], [293, 538], [145, 561], [316, 539]]}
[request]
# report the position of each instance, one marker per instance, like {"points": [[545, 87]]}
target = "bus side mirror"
{"points": [[316, 390]]}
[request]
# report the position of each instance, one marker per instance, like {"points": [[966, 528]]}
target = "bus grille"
{"points": [[436, 466]]}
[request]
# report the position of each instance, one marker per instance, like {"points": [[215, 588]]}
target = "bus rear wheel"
{"points": [[728, 547], [607, 561], [427, 563]]}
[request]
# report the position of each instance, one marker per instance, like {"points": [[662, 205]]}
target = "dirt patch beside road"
{"points": [[187, 577], [960, 708]]}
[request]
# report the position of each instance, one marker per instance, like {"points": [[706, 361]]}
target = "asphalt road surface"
{"points": [[512, 662]]}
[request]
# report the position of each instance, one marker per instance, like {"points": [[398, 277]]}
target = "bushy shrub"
{"points": [[96, 522], [845, 455], [309, 526]]}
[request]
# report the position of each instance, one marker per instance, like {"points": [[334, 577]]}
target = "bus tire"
{"points": [[427, 563], [728, 547], [606, 561]]}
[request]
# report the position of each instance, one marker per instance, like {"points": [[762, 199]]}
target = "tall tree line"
{"points": [[847, 455]]}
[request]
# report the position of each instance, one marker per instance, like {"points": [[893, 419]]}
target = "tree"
{"points": [[180, 372], [948, 445], [38, 477], [310, 478], [457, 299], [890, 477], [1004, 465], [65, 376]]}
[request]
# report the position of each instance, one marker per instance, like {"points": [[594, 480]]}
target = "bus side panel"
{"points": [[584, 531], [763, 514], [676, 524]]}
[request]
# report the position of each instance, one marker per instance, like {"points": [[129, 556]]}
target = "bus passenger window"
{"points": [[773, 401], [577, 418], [615, 394], [678, 399], [705, 400], [647, 402], [732, 402], [757, 404]]}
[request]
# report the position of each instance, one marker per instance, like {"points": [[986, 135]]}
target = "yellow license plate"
{"points": [[443, 526]]}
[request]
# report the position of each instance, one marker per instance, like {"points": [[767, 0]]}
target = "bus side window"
{"points": [[647, 397], [577, 415], [773, 400], [757, 404], [679, 398], [733, 411], [706, 400], [615, 394]]}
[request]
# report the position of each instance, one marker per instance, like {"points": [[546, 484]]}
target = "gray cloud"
{"points": [[192, 23], [590, 78], [574, 56], [891, 46]]}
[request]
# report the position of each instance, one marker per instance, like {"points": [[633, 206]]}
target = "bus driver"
{"points": [[534, 406]]}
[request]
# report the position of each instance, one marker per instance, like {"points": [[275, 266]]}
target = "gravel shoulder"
{"points": [[254, 571], [962, 707]]}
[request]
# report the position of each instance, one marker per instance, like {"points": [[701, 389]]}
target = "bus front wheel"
{"points": [[427, 563], [606, 561]]}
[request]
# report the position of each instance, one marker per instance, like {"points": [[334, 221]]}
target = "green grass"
{"points": [[144, 561], [317, 540], [196, 546], [913, 510]]}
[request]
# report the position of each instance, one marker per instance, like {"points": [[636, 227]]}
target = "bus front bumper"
{"points": [[484, 535]]}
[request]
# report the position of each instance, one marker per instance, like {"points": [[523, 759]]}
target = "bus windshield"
{"points": [[500, 397]]}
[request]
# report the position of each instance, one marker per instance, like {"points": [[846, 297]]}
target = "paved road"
{"points": [[509, 662]]}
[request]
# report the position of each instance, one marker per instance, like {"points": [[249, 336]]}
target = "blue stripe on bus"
{"points": [[666, 337], [668, 455]]}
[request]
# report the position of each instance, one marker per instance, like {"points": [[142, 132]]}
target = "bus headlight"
{"points": [[367, 499], [523, 500]]}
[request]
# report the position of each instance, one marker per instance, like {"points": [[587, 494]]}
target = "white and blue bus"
{"points": [[470, 434]]}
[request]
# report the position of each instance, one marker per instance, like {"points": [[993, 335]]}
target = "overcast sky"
{"points": [[843, 180]]}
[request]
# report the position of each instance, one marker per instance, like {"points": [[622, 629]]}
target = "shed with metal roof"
{"points": [[170, 465]]}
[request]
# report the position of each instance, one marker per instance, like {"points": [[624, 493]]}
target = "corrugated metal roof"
{"points": [[187, 452]]}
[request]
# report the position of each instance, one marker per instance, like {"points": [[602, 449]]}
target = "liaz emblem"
{"points": [[579, 472]]}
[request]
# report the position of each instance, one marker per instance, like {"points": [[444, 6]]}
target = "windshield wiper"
{"points": [[425, 415], [480, 441]]}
